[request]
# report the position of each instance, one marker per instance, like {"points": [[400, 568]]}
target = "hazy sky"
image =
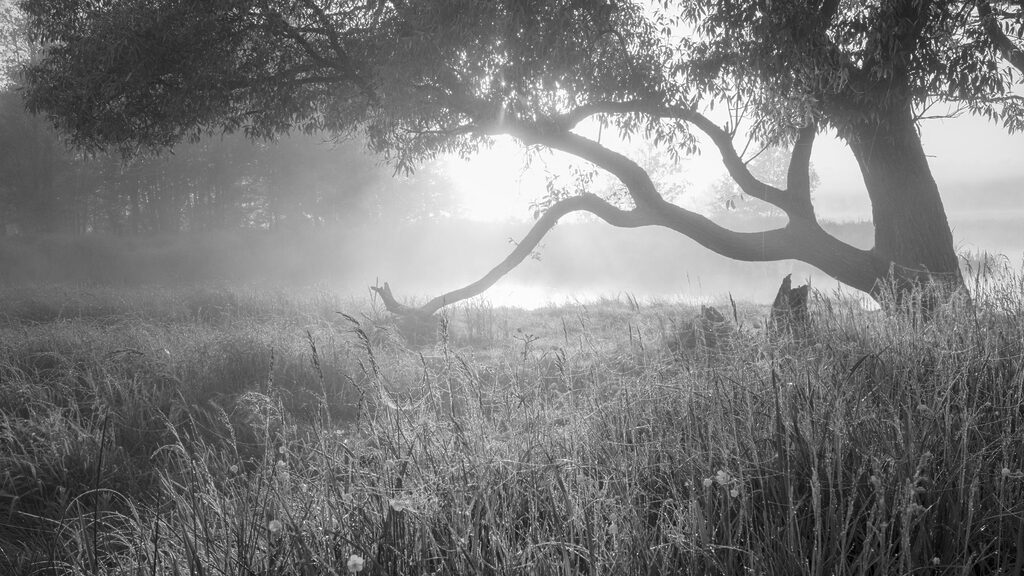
{"points": [[967, 155]]}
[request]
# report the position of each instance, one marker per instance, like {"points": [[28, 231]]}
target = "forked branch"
{"points": [[721, 138], [802, 239]]}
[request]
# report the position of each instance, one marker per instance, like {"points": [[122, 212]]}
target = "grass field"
{"points": [[230, 431]]}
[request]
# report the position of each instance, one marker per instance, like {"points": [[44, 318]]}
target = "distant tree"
{"points": [[39, 179], [424, 77]]}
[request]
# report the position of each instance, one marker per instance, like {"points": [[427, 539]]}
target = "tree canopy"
{"points": [[424, 77]]}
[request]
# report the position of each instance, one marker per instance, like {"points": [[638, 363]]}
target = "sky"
{"points": [[966, 154]]}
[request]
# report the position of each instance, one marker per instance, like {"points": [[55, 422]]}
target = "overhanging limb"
{"points": [[583, 203]]}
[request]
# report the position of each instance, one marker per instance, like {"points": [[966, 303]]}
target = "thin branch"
{"points": [[734, 164], [1010, 51], [342, 59], [636, 180]]}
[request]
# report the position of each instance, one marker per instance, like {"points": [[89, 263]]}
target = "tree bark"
{"points": [[911, 229]]}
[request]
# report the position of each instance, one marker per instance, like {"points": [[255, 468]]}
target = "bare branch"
{"points": [[798, 179], [584, 203], [737, 168]]}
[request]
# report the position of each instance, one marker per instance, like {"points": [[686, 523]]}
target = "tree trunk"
{"points": [[911, 229]]}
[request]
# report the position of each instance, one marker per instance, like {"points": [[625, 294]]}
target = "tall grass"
{"points": [[278, 436]]}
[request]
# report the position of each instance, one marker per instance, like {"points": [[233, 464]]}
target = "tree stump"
{"points": [[709, 330], [789, 310], [416, 326]]}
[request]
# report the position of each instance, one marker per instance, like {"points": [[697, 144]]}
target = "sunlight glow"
{"points": [[500, 183], [497, 185]]}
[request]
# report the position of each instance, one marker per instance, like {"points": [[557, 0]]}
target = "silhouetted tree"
{"points": [[423, 77]]}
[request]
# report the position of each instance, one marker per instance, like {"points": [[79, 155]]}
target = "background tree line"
{"points": [[213, 184]]}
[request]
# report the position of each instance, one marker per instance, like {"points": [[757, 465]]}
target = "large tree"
{"points": [[423, 77]]}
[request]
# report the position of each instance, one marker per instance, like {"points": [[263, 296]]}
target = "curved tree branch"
{"points": [[802, 239], [722, 140], [636, 180], [583, 203]]}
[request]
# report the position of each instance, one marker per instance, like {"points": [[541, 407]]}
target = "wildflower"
{"points": [[234, 468], [936, 561], [1006, 472], [707, 482], [722, 477], [734, 493], [355, 563], [282, 450], [275, 526]]}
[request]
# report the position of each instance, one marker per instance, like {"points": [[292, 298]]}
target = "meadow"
{"points": [[241, 431]]}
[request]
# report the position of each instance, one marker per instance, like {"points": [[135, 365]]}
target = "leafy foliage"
{"points": [[416, 75], [426, 77], [849, 62], [153, 73]]}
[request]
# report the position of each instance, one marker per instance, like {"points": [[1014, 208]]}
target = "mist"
{"points": [[579, 261], [304, 212]]}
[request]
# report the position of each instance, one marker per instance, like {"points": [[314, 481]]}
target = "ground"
{"points": [[236, 431]]}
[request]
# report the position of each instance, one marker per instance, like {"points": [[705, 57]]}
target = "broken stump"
{"points": [[789, 310]]}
